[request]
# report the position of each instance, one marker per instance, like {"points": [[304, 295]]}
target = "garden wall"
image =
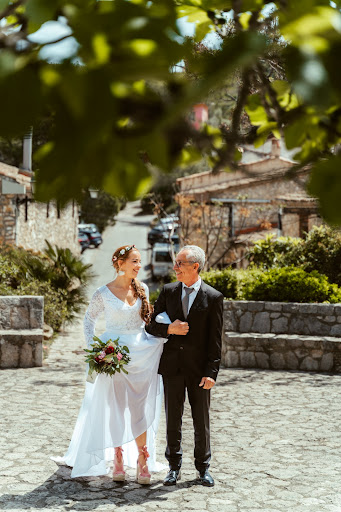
{"points": [[21, 331], [280, 335]]}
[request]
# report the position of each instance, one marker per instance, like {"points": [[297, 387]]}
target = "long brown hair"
{"points": [[122, 254]]}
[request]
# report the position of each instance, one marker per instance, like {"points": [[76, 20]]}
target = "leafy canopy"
{"points": [[118, 104]]}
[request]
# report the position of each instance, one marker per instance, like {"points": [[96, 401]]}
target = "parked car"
{"points": [[89, 227], [160, 232], [161, 260], [91, 231], [83, 240]]}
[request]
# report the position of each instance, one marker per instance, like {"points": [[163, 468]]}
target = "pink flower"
{"points": [[119, 356], [101, 355]]}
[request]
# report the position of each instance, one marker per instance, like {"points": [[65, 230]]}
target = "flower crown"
{"points": [[123, 251]]}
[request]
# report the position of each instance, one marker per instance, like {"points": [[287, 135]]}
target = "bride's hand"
{"points": [[178, 327]]}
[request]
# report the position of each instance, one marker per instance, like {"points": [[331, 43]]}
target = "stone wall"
{"points": [[282, 335], [21, 331], [7, 219], [46, 222]]}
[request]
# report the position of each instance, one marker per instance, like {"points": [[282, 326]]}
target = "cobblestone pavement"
{"points": [[275, 436]]}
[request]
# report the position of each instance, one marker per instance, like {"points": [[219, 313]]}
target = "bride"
{"points": [[119, 415]]}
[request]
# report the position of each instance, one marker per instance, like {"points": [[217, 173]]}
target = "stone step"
{"points": [[21, 348], [281, 351]]}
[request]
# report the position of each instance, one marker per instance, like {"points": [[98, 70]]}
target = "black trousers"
{"points": [[199, 399]]}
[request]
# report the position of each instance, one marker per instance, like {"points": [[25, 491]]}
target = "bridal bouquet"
{"points": [[109, 357]]}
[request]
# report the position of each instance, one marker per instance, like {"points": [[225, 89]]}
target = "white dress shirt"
{"points": [[196, 287]]}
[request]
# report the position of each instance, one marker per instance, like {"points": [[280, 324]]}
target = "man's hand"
{"points": [[207, 382], [178, 327]]}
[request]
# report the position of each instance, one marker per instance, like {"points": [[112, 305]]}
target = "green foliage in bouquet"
{"points": [[109, 357]]}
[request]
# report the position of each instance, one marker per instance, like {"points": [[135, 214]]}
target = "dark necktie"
{"points": [[185, 300]]}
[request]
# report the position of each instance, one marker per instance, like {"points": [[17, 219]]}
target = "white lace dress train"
{"points": [[116, 410]]}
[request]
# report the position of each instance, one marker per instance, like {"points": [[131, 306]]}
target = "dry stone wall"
{"points": [[279, 335], [21, 331]]}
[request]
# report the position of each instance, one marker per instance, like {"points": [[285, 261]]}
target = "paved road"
{"points": [[275, 435], [130, 228]]}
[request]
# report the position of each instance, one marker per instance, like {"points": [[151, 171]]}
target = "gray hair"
{"points": [[195, 254]]}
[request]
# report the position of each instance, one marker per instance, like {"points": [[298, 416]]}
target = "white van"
{"points": [[161, 260]]}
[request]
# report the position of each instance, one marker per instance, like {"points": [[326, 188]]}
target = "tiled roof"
{"points": [[241, 182], [14, 173]]}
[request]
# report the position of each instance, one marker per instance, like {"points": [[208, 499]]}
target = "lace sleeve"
{"points": [[96, 307]]}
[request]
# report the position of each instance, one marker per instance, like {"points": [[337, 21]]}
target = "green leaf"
{"points": [[22, 89], [202, 29], [244, 19], [255, 110], [325, 183], [101, 48], [294, 134], [188, 156], [40, 11], [313, 24]]}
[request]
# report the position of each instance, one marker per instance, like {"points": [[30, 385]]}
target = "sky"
{"points": [[53, 30]]}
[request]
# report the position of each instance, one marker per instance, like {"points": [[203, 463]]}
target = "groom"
{"points": [[190, 359]]}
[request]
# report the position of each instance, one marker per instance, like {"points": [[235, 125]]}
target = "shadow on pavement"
{"points": [[278, 377], [134, 222], [88, 493]]}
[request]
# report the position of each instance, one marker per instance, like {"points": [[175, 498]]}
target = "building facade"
{"points": [[225, 212], [27, 223]]}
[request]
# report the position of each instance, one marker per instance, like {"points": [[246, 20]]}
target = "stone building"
{"points": [[225, 212], [27, 223]]}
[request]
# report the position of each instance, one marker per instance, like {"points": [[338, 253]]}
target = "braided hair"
{"points": [[122, 254]]}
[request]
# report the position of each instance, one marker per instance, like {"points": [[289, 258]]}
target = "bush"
{"points": [[225, 281], [153, 296], [56, 274], [291, 284], [55, 308], [273, 252], [320, 251], [102, 210]]}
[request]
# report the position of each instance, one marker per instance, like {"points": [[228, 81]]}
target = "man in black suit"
{"points": [[191, 357]]}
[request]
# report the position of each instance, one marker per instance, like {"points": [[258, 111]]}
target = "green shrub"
{"points": [[102, 210], [225, 281], [56, 274], [55, 309], [153, 296], [291, 284], [276, 252], [9, 272], [320, 251]]}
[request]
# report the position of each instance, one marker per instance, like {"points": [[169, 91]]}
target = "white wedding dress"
{"points": [[117, 409]]}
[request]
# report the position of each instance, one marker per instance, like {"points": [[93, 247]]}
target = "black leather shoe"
{"points": [[204, 478], [173, 476]]}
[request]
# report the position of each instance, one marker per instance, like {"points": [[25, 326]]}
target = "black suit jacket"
{"points": [[197, 353]]}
